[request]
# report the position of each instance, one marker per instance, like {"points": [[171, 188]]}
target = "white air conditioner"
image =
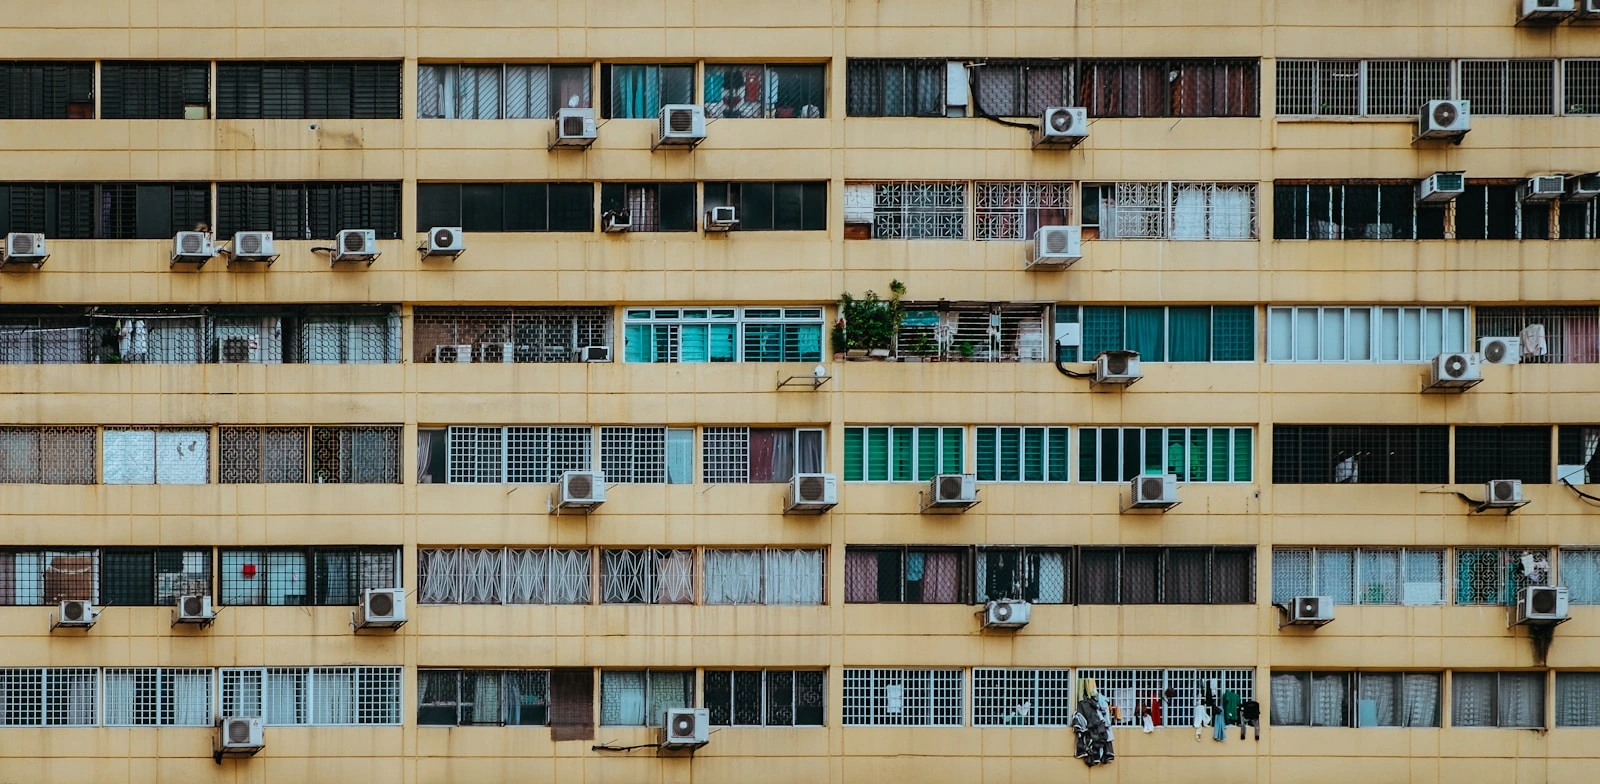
{"points": [[1540, 605], [1153, 491], [1546, 11], [1444, 120], [444, 241], [1500, 351], [252, 246], [1309, 610], [1583, 187], [813, 493], [192, 249], [1006, 614], [682, 125], [1441, 187], [355, 245], [381, 608], [1065, 125], [581, 490], [76, 613], [24, 249], [1056, 246], [596, 353], [952, 491], [721, 218], [1547, 187], [1457, 371], [238, 735], [1502, 494], [685, 728], [574, 128], [451, 353], [616, 221], [1117, 367], [194, 608], [1588, 11]]}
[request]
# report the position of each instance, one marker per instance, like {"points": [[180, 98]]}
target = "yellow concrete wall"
{"points": [[805, 268]]}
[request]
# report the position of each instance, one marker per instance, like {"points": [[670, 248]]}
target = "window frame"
{"points": [[460, 574], [1055, 462], [870, 93], [1378, 340], [765, 708], [658, 324], [1335, 454], [462, 705], [1091, 455], [609, 88], [446, 84], [1216, 325], [370, 688], [516, 454], [1033, 204], [1026, 573], [1360, 588], [175, 472], [767, 105], [318, 587], [876, 697], [50, 696], [1159, 210], [943, 455], [1497, 696], [374, 89], [451, 204], [812, 203], [770, 591], [648, 687], [1163, 590], [147, 684], [726, 454], [1190, 684], [182, 582], [902, 555]]}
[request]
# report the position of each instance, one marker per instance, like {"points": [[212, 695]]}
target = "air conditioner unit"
{"points": [[1064, 125], [685, 728], [1444, 120], [24, 250], [1454, 371], [574, 128], [1006, 614], [1309, 610], [381, 608], [596, 353], [581, 490], [252, 246], [238, 736], [355, 245], [1540, 605], [194, 609], [1546, 11], [1056, 246], [682, 124], [952, 491], [1500, 351], [721, 218], [444, 241], [1583, 187], [1588, 11], [1153, 491], [76, 612], [1502, 494], [1441, 187], [1548, 187], [452, 353], [616, 221], [1117, 367], [813, 493], [192, 249]]}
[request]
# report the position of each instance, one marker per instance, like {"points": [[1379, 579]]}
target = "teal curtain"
{"points": [[1191, 334], [854, 458], [1102, 331], [1145, 334], [1241, 454], [636, 91], [1233, 337], [693, 343], [803, 343], [636, 343]]}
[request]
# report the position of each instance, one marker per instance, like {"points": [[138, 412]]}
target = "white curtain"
{"points": [[733, 576], [1580, 572], [1380, 576], [1424, 577], [1380, 691], [241, 692], [1291, 574], [793, 577], [1330, 693], [811, 451], [333, 691], [284, 696], [191, 691], [486, 698], [1232, 209], [680, 456], [674, 577], [1289, 699], [119, 697], [668, 689], [1472, 699], [1578, 699], [622, 698], [1421, 699], [1188, 211], [81, 695], [1521, 702], [129, 457]]}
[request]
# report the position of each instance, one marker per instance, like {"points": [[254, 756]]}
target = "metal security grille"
{"points": [[495, 90], [919, 210], [144, 577], [1165, 575], [735, 91], [1509, 86], [471, 575], [973, 331], [1310, 88], [635, 455], [1021, 88], [495, 698], [895, 88], [881, 697], [764, 698], [767, 576], [47, 455], [1366, 575], [1021, 697], [1172, 210], [1485, 454], [191, 335], [518, 454], [1016, 210], [49, 696], [158, 697], [1137, 211], [1549, 334], [1580, 86], [1034, 574], [261, 455], [329, 576], [647, 576], [326, 696], [1129, 690], [642, 697], [1402, 87], [725, 454], [45, 577], [509, 334], [355, 455], [1192, 454], [1489, 575], [1367, 454], [47, 90]]}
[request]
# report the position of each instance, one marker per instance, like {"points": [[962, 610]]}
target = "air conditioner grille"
{"points": [[238, 732], [683, 725], [192, 242], [22, 245], [680, 121], [812, 488], [381, 604], [1494, 350], [1152, 487], [1504, 491], [1056, 242], [1310, 608], [572, 126], [950, 487], [354, 242], [73, 611], [444, 238], [1455, 365], [1445, 114], [1542, 602], [1002, 611], [1117, 364], [580, 485], [193, 606], [250, 244], [1061, 121]]}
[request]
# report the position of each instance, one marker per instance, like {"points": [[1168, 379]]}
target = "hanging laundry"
{"points": [[1230, 706], [1250, 715], [1148, 724], [1533, 342], [1219, 728], [1093, 733], [141, 338], [1155, 709]]}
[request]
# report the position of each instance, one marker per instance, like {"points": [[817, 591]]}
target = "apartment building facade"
{"points": [[287, 429]]}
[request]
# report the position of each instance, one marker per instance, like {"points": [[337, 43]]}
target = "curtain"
{"points": [[1424, 577], [1582, 339], [486, 703], [1190, 330], [941, 576], [1336, 575], [333, 696], [425, 453], [1231, 213], [1188, 211], [860, 576], [527, 91], [680, 456], [622, 577], [478, 573], [573, 87], [669, 689], [1472, 699], [191, 693], [1329, 694], [1050, 578], [284, 696], [1421, 700], [1378, 699], [1580, 572], [1521, 699], [636, 91], [430, 89], [241, 692], [1380, 576], [1289, 699], [733, 576], [119, 697], [1578, 699], [622, 698], [771, 455], [793, 577], [810, 452], [1146, 330]]}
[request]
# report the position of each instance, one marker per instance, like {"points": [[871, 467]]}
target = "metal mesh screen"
{"points": [[355, 455], [191, 335], [1021, 697], [1016, 210], [1487, 575], [1565, 334], [47, 455], [919, 210], [261, 455], [49, 696], [312, 576], [1509, 86], [1371, 454], [1128, 690], [1402, 87], [158, 697], [483, 697], [773, 698], [1021, 88], [46, 577], [635, 455], [1484, 454], [725, 454], [885, 697], [1580, 86], [153, 576], [1580, 572], [973, 331], [508, 334], [326, 696]]}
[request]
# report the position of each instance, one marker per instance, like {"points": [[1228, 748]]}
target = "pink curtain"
{"points": [[861, 577], [1583, 339], [941, 579]]}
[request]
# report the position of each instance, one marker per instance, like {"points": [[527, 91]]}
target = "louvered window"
{"points": [[273, 89], [46, 91], [153, 90], [308, 211], [117, 211]]}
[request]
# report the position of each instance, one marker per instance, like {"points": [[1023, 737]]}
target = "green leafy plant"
{"points": [[870, 321], [967, 349]]}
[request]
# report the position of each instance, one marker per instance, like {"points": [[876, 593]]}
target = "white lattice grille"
{"points": [[48, 696], [329, 696], [503, 576], [1137, 211], [919, 210], [1128, 690], [1487, 575], [634, 454], [647, 576], [725, 454], [161, 697], [476, 455], [883, 697], [1021, 697], [1016, 210], [47, 455], [256, 455], [1509, 86]]}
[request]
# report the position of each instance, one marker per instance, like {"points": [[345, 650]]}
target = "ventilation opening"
{"points": [[22, 245], [680, 121], [1455, 366], [1061, 121], [1543, 602], [580, 485], [355, 242], [1309, 608], [1444, 115], [950, 487], [238, 732], [250, 244], [811, 488], [381, 604], [1002, 612], [1494, 350]]}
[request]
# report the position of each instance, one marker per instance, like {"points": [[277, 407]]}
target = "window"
{"points": [[104, 211], [1017, 210], [972, 331], [1128, 690], [308, 211], [509, 334], [723, 334], [741, 455], [510, 575], [1580, 572], [773, 206], [1493, 576], [1021, 697], [647, 576], [769, 576], [895, 88], [735, 91], [492, 91], [1355, 699], [322, 576], [1166, 575], [647, 455], [1364, 575], [162, 457], [1169, 88], [48, 696], [355, 455], [330, 89], [1221, 333], [153, 90], [764, 698], [651, 206], [1021, 454], [1580, 87], [1548, 334], [911, 210], [158, 697], [1354, 211], [1310, 88], [572, 704], [1577, 453], [1509, 86], [1364, 334], [1493, 211], [1360, 454], [46, 577], [903, 698], [1021, 88], [1497, 699], [637, 92], [511, 206], [640, 698], [318, 696], [496, 698], [153, 577], [47, 455], [1579, 220], [348, 339], [912, 575], [1508, 452], [49, 338], [1170, 210], [1193, 454], [517, 455], [1034, 574], [261, 455], [46, 91], [1578, 699], [902, 453]]}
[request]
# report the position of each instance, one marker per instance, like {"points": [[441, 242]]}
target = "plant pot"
{"points": [[878, 353], [839, 357], [855, 353]]}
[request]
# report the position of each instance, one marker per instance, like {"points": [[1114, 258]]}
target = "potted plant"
{"points": [[867, 325], [967, 350]]}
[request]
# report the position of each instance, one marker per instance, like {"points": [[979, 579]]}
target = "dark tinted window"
{"points": [[518, 206], [122, 210], [329, 90], [46, 91], [773, 206], [152, 90], [1375, 454], [1487, 453], [316, 210]]}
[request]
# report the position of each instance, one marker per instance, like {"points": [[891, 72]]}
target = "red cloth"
{"points": [[1155, 711]]}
